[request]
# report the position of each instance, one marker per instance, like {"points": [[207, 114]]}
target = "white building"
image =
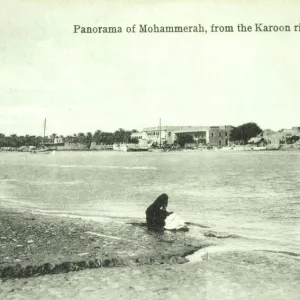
{"points": [[139, 135], [215, 135], [54, 141]]}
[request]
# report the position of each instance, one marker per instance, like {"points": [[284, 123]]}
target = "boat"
{"points": [[159, 148], [129, 148], [43, 149]]}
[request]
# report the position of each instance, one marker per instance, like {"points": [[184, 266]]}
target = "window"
{"points": [[212, 134], [169, 133]]}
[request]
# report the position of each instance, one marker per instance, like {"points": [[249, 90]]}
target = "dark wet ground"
{"points": [[32, 245]]}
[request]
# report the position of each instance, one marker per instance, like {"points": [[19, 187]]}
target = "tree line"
{"points": [[100, 137], [240, 134]]}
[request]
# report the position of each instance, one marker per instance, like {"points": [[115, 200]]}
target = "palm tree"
{"points": [[13, 140], [75, 138], [97, 136], [81, 138], [2, 140], [89, 138]]}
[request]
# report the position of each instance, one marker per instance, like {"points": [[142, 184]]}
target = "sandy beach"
{"points": [[222, 277], [34, 245]]}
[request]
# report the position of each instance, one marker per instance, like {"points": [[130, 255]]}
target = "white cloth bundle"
{"points": [[173, 221]]}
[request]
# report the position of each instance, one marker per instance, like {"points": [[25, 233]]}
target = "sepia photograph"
{"points": [[149, 150]]}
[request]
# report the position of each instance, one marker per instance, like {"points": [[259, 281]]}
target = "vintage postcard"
{"points": [[149, 149]]}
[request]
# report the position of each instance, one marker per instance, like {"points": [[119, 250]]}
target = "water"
{"points": [[241, 200]]}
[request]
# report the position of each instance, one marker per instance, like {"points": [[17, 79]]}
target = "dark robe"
{"points": [[156, 213]]}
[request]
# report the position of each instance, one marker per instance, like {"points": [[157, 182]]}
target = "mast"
{"points": [[44, 131], [160, 133]]}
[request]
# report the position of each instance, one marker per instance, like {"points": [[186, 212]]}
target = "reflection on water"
{"points": [[254, 196]]}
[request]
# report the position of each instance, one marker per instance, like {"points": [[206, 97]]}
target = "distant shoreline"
{"points": [[169, 150]]}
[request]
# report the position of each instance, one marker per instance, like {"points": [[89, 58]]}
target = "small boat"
{"points": [[158, 148], [43, 149], [46, 150]]}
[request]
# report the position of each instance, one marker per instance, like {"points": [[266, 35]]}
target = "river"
{"points": [[240, 200]]}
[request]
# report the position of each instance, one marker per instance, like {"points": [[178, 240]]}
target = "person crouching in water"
{"points": [[156, 213]]}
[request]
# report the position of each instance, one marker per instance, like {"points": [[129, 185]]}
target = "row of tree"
{"points": [[239, 134], [18, 141], [100, 137]]}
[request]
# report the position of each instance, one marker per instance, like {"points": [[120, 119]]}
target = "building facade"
{"points": [[279, 137], [139, 135], [219, 136], [166, 135], [57, 141]]}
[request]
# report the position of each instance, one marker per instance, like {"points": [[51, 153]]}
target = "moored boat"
{"points": [[43, 149]]}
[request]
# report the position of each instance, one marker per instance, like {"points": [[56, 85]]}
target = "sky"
{"points": [[86, 82]]}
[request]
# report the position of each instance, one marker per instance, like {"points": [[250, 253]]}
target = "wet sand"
{"points": [[121, 261], [230, 276], [33, 245]]}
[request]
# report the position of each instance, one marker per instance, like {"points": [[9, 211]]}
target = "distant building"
{"points": [[207, 135], [57, 141], [280, 137], [139, 135], [219, 135], [258, 142]]}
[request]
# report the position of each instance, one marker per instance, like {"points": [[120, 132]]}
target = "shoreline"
{"points": [[34, 245], [231, 276], [156, 268], [168, 151]]}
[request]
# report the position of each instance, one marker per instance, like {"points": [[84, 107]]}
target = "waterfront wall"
{"points": [[8, 149], [95, 147], [72, 147]]}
